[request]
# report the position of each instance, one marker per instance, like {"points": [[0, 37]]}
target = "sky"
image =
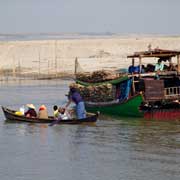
{"points": [[90, 16]]}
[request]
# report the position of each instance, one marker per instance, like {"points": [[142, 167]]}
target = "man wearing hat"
{"points": [[74, 96], [31, 112]]}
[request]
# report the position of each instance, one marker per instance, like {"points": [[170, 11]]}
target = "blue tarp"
{"points": [[125, 88]]}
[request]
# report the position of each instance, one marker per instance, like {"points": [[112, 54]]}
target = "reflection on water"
{"points": [[113, 148]]}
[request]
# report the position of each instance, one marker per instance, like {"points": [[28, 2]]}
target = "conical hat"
{"points": [[30, 106]]}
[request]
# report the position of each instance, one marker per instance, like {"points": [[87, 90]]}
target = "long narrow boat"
{"points": [[11, 116]]}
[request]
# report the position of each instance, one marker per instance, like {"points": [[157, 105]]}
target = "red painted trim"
{"points": [[163, 114]]}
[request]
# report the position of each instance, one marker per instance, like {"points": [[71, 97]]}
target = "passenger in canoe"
{"points": [[55, 111], [31, 112], [76, 98], [63, 114], [42, 114]]}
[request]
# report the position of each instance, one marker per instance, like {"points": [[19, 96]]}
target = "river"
{"points": [[113, 149]]}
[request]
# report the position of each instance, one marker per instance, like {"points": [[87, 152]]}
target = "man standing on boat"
{"points": [[75, 97]]}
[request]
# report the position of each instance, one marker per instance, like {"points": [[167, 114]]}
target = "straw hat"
{"points": [[30, 106]]}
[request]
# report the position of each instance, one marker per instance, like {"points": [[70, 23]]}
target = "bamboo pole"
{"points": [[55, 52], [178, 62], [133, 83], [39, 62], [76, 66], [14, 68], [140, 65]]}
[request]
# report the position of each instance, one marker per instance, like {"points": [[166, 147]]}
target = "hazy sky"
{"points": [[117, 16]]}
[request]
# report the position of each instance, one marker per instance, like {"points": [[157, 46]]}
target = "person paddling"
{"points": [[76, 98]]}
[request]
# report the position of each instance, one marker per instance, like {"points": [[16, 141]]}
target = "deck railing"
{"points": [[172, 92]]}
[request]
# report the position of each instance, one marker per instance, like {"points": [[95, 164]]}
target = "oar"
{"points": [[55, 122]]}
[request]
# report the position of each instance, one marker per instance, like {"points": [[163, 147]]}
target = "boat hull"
{"points": [[163, 114], [11, 116], [130, 108]]}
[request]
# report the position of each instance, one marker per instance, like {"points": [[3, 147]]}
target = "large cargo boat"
{"points": [[147, 90]]}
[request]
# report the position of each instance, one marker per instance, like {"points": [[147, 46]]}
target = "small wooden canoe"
{"points": [[11, 116]]}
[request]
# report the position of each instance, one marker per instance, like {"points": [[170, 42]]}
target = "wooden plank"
{"points": [[163, 73], [154, 89]]}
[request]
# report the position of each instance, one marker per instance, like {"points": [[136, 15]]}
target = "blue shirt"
{"points": [[159, 67], [76, 97], [134, 69]]}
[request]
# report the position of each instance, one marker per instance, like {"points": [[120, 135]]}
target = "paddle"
{"points": [[55, 122]]}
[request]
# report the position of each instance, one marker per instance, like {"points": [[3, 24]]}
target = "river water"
{"points": [[113, 149]]}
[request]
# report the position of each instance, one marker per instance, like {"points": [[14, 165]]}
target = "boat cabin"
{"points": [[158, 83]]}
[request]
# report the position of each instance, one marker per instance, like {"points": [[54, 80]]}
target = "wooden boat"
{"points": [[11, 116], [155, 88], [128, 108]]}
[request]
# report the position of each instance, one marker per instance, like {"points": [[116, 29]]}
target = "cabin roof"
{"points": [[159, 53]]}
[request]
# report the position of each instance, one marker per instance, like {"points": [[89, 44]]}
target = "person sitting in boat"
{"points": [[75, 97], [56, 112], [42, 114], [31, 112], [150, 68], [63, 114], [159, 65]]}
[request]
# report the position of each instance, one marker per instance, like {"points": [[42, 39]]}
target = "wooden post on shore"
{"points": [[14, 68], [55, 56], [178, 63], [39, 60], [76, 66], [19, 68], [48, 67]]}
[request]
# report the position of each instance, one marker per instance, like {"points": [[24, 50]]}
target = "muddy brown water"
{"points": [[112, 149]]}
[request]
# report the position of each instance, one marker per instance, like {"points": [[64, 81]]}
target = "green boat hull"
{"points": [[114, 81], [129, 108]]}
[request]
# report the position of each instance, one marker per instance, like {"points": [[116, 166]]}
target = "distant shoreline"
{"points": [[46, 57], [70, 36]]}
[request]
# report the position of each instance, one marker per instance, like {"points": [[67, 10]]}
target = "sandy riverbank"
{"points": [[50, 56]]}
